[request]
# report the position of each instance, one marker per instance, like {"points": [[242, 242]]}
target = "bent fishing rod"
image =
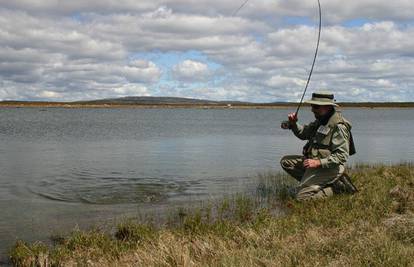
{"points": [[314, 59], [285, 124]]}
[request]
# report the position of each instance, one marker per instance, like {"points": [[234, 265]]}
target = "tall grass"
{"points": [[374, 227]]}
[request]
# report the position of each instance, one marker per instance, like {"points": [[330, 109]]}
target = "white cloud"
{"points": [[75, 6], [131, 89], [140, 71], [76, 49], [283, 82], [49, 95], [235, 93], [190, 70]]}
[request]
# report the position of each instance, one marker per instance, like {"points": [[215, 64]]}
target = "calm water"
{"points": [[65, 167]]}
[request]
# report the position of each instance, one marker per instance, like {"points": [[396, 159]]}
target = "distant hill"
{"points": [[152, 100]]}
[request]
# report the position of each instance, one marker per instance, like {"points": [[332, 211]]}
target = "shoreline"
{"points": [[195, 106], [374, 227]]}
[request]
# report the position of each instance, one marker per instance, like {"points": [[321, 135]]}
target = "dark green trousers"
{"points": [[313, 182]]}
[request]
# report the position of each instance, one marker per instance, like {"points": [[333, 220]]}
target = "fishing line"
{"points": [[242, 5], [314, 59]]}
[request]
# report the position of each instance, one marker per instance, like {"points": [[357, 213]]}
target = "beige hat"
{"points": [[322, 99]]}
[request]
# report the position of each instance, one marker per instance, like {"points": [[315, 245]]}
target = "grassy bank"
{"points": [[374, 227]]}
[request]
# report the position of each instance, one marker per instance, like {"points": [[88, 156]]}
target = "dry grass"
{"points": [[374, 227]]}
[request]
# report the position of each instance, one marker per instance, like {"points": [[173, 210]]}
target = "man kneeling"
{"points": [[320, 170]]}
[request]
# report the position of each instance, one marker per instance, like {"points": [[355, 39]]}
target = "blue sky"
{"points": [[356, 22], [82, 50]]}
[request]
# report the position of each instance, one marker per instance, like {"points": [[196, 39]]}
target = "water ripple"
{"points": [[90, 187]]}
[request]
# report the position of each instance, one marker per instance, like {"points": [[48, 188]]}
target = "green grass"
{"points": [[374, 227]]}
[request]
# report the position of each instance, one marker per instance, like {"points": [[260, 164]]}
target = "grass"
{"points": [[374, 227]]}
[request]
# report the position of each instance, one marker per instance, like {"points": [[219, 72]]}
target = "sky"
{"points": [[56, 50]]}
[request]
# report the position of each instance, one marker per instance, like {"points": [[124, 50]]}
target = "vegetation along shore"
{"points": [[374, 227]]}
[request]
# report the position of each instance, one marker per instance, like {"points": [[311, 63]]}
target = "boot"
{"points": [[344, 185]]}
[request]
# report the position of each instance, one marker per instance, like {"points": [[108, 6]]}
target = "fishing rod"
{"points": [[286, 124], [314, 59]]}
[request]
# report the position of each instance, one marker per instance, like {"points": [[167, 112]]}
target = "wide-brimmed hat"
{"points": [[322, 99]]}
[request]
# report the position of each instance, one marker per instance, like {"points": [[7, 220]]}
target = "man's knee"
{"points": [[314, 192]]}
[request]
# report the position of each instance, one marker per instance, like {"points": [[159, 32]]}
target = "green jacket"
{"points": [[331, 143]]}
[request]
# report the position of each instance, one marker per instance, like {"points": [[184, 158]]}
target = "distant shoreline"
{"points": [[22, 104]]}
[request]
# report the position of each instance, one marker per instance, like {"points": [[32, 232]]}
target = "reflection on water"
{"points": [[65, 167]]}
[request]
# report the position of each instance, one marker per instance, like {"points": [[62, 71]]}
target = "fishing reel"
{"points": [[285, 125]]}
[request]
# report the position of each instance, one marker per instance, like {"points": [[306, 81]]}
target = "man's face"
{"points": [[320, 111]]}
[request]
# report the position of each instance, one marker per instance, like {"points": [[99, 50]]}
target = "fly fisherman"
{"points": [[320, 170]]}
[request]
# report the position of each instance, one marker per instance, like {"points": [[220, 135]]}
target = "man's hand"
{"points": [[311, 163], [293, 118]]}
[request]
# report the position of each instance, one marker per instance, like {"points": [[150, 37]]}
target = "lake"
{"points": [[61, 168]]}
